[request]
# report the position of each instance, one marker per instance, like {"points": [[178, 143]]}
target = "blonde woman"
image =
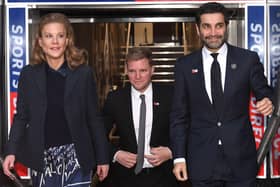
{"points": [[57, 130]]}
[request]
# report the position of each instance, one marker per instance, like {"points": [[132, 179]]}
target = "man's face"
{"points": [[212, 30], [139, 73]]}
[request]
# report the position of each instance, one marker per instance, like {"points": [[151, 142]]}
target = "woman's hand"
{"points": [[8, 165]]}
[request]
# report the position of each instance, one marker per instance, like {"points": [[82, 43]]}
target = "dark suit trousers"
{"points": [[222, 175], [149, 177], [220, 183]]}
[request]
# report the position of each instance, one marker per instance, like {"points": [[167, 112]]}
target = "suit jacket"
{"points": [[195, 123], [26, 139], [118, 110]]}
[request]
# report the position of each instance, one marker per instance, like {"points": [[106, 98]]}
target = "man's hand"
{"points": [[159, 155], [8, 165], [180, 171], [126, 159], [265, 106], [102, 171]]}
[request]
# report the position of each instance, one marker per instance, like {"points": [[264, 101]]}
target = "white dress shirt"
{"points": [[136, 102], [207, 60]]}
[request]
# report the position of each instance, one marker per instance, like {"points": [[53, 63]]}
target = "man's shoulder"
{"points": [[163, 87], [119, 92], [240, 50], [194, 54], [164, 90], [189, 59]]}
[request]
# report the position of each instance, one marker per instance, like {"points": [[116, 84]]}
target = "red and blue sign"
{"points": [[274, 56], [17, 45], [255, 38], [17, 53]]}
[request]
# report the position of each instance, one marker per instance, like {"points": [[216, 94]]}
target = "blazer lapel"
{"points": [[70, 82], [40, 78]]}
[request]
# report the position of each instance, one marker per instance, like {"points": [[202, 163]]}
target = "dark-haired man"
{"points": [[210, 107]]}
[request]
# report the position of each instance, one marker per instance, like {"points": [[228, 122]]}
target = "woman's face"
{"points": [[53, 41]]}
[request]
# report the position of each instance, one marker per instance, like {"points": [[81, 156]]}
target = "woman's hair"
{"points": [[73, 55]]}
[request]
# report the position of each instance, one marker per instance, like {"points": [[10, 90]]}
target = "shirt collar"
{"points": [[63, 70], [147, 92], [206, 53]]}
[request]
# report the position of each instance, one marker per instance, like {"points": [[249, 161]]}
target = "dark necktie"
{"points": [[216, 85], [141, 136]]}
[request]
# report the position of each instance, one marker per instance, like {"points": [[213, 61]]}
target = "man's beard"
{"points": [[214, 45]]}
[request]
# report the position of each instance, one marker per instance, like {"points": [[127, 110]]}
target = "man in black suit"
{"points": [[211, 133], [123, 108]]}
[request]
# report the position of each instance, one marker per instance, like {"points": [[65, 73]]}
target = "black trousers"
{"points": [[223, 183], [222, 175], [149, 177]]}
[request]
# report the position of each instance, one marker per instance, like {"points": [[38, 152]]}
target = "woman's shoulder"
{"points": [[33, 66], [27, 67], [30, 68], [84, 69]]}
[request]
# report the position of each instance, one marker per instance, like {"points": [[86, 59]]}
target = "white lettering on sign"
{"points": [[256, 34], [17, 52]]}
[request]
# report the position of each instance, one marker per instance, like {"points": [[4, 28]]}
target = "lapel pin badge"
{"points": [[233, 66], [156, 103], [194, 71]]}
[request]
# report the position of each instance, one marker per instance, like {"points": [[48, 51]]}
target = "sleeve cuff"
{"points": [[178, 160], [115, 157]]}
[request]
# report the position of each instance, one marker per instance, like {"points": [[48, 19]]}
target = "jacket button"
{"points": [[219, 124]]}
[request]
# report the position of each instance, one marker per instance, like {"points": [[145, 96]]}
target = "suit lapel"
{"points": [[156, 105], [201, 80], [128, 104], [230, 79], [231, 68]]}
